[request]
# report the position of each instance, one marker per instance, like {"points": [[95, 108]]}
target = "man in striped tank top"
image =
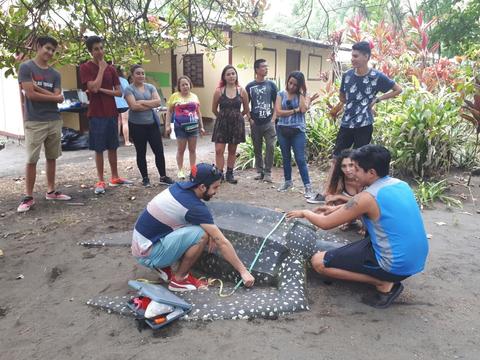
{"points": [[396, 246]]}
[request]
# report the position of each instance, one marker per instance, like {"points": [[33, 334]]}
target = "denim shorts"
{"points": [[181, 134], [103, 133], [171, 248]]}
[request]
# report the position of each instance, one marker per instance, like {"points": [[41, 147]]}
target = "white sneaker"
{"points": [[317, 199], [309, 193], [285, 186]]}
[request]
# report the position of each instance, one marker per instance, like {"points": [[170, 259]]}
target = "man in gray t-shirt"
{"points": [[262, 94], [46, 82], [41, 87]]}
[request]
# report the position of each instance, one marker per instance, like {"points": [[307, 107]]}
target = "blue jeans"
{"points": [[296, 142]]}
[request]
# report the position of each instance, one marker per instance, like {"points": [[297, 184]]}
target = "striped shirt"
{"points": [[170, 210]]}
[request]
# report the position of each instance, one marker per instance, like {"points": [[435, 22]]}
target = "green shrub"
{"points": [[427, 193], [246, 160], [321, 135], [422, 130]]}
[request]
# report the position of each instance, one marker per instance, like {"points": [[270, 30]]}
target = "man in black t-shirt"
{"points": [[262, 94]]}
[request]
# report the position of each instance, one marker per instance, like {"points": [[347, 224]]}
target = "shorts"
{"points": [[48, 133], [182, 134], [357, 137], [103, 133], [171, 248], [359, 257]]}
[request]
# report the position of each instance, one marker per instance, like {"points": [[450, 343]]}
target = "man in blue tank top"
{"points": [[396, 246]]}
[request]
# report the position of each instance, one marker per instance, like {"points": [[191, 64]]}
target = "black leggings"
{"points": [[141, 134]]}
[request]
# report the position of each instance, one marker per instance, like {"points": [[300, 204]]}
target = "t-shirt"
{"points": [[262, 96], [184, 108], [48, 79], [141, 117], [120, 100], [295, 120], [359, 92], [101, 105], [398, 237], [170, 210]]}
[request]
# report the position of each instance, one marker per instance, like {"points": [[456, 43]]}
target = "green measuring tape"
{"points": [[240, 282]]}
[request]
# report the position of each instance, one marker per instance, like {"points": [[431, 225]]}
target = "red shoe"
{"points": [[165, 273], [190, 283], [99, 188], [119, 181]]}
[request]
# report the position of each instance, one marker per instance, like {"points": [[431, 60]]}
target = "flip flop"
{"points": [[384, 300]]}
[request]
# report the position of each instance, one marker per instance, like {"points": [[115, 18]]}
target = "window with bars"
{"points": [[193, 68]]}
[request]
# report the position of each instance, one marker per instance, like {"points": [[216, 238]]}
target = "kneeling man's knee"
{"points": [[317, 262]]}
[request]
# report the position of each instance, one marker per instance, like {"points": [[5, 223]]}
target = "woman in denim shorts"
{"points": [[184, 112]]}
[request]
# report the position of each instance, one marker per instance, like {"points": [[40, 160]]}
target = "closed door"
{"points": [[293, 61]]}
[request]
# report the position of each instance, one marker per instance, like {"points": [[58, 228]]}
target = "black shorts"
{"points": [[359, 257], [357, 137]]}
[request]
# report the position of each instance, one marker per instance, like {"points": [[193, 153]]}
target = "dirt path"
{"points": [[44, 316]]}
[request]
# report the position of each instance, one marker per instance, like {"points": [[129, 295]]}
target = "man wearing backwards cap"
{"points": [[177, 225]]}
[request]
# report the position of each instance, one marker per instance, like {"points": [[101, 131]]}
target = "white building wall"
{"points": [[11, 118]]}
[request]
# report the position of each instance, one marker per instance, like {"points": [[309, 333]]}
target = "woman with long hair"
{"points": [[343, 184], [230, 104], [290, 108], [144, 125], [184, 112]]}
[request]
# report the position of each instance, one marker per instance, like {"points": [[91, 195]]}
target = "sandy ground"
{"points": [[44, 316]]}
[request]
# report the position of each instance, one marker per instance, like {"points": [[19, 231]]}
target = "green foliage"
{"points": [[422, 130], [427, 193], [321, 135], [128, 27], [246, 160], [458, 27]]}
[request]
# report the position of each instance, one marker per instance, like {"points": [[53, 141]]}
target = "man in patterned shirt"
{"points": [[358, 92]]}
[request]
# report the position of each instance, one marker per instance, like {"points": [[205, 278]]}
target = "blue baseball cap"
{"points": [[202, 173]]}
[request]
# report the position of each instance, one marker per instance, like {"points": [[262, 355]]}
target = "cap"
{"points": [[202, 173]]}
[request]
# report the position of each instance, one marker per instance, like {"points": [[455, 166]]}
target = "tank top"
{"points": [[398, 236]]}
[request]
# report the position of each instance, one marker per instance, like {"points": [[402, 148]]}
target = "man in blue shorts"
{"points": [[177, 225], [102, 84], [397, 245]]}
